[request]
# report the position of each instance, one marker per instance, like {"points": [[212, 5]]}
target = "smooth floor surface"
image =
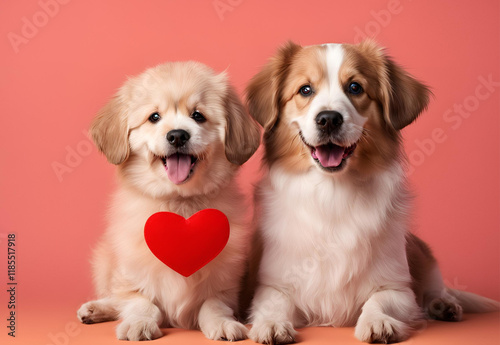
{"points": [[61, 327]]}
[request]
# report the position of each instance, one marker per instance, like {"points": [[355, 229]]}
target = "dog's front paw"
{"points": [[230, 330], [270, 332], [445, 310], [87, 312], [95, 311], [382, 330], [138, 329]]}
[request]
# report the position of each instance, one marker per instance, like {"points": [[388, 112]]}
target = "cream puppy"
{"points": [[178, 134], [334, 204]]}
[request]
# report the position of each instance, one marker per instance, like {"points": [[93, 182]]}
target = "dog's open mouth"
{"points": [[179, 167], [330, 156]]}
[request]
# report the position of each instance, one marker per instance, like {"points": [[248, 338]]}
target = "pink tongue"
{"points": [[178, 167], [329, 155]]}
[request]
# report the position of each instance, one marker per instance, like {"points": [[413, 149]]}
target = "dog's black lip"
{"points": [[328, 169]]}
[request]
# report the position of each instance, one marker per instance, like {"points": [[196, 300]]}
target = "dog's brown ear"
{"points": [[109, 130], [403, 97], [242, 132], [263, 92]]}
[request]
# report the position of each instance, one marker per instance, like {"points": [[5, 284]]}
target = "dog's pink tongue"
{"points": [[178, 167], [329, 155]]}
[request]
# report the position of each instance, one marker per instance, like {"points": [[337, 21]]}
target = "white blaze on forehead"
{"points": [[331, 96], [334, 59]]}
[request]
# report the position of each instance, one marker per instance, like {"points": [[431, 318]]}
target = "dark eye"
{"points": [[355, 88], [198, 117], [306, 90], [154, 118]]}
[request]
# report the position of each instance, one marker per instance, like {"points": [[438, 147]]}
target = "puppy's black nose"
{"points": [[177, 137], [329, 120]]}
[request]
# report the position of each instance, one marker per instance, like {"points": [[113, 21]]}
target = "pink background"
{"points": [[52, 85]]}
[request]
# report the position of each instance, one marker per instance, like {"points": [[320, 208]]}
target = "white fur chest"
{"points": [[321, 240]]}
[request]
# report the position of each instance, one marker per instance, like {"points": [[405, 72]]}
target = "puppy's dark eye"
{"points": [[306, 90], [154, 118], [355, 88], [198, 117]]}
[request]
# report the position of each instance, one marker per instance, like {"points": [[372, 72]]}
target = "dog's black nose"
{"points": [[177, 137], [329, 120]]}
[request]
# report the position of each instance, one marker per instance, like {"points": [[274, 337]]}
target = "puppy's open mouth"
{"points": [[330, 157], [179, 167]]}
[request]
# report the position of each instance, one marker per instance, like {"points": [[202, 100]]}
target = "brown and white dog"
{"points": [[334, 204], [178, 133]]}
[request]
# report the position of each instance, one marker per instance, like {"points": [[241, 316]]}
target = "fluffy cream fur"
{"points": [[131, 283]]}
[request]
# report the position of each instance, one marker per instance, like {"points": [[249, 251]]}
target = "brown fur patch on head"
{"points": [[283, 143], [379, 142], [272, 90], [403, 97], [392, 99], [264, 90]]}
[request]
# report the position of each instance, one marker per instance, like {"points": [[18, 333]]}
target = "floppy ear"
{"points": [[242, 132], [109, 130], [404, 96], [263, 92]]}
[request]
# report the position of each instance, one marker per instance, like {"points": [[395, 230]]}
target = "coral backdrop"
{"points": [[62, 60]]}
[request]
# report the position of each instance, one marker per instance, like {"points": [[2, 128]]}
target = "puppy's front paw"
{"points": [[230, 330], [270, 332], [138, 329], [86, 313], [445, 310], [382, 330], [95, 311]]}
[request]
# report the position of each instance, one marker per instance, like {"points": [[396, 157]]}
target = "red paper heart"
{"points": [[186, 245]]}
